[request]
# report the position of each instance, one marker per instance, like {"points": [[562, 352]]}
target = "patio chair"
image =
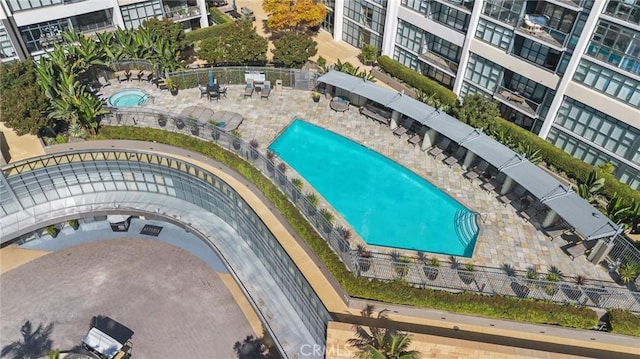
{"points": [[213, 92], [146, 75], [104, 81], [222, 92], [415, 139], [453, 159], [248, 90], [266, 90], [576, 250], [477, 171], [203, 91], [440, 148], [122, 76]]}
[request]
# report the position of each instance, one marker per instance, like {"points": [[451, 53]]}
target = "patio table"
{"points": [[339, 104]]}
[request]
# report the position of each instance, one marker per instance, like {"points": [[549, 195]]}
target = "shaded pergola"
{"points": [[561, 200]]}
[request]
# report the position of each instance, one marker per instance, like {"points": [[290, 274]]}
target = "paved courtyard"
{"points": [[505, 238], [175, 304]]}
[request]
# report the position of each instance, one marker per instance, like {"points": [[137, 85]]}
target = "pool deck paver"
{"points": [[505, 239]]}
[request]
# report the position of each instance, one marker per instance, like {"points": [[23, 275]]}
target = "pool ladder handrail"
{"points": [[143, 99]]}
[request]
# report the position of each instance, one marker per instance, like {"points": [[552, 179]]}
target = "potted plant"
{"points": [[236, 142], [172, 85], [162, 120], [628, 272], [313, 203], [554, 275], [344, 235], [254, 149], [52, 231], [364, 258], [400, 264], [315, 95], [73, 223], [282, 167], [466, 275], [179, 123], [194, 126], [431, 268], [329, 217]]}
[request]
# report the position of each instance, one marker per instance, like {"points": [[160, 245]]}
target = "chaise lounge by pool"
{"points": [[387, 204]]}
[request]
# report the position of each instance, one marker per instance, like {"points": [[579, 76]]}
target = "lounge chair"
{"points": [[576, 250], [146, 75], [104, 81], [557, 231], [415, 139], [266, 90], [401, 130], [222, 91], [453, 159], [440, 148], [122, 76], [477, 171], [248, 90]]}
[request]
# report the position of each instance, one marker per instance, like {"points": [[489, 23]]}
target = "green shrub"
{"points": [[414, 79], [205, 32], [397, 291], [624, 322], [219, 17]]}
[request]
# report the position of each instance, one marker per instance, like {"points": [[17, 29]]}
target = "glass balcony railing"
{"points": [[440, 62], [536, 27], [517, 101], [182, 13]]}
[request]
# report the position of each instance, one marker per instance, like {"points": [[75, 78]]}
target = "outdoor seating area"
{"points": [[339, 104], [375, 113]]}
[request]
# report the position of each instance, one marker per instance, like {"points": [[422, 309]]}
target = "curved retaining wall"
{"points": [[52, 188]]}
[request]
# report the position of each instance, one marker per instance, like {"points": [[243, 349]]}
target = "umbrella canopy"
{"points": [[211, 79]]}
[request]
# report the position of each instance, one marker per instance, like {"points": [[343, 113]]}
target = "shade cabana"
{"points": [[342, 80], [582, 216]]}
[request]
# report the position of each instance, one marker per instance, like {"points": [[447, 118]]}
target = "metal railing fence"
{"points": [[383, 266]]}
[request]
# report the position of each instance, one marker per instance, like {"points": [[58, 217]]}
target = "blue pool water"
{"points": [[387, 204], [128, 98]]}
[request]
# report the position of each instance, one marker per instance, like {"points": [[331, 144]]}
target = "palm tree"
{"points": [[381, 343], [34, 343]]}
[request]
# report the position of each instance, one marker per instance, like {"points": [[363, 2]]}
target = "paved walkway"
{"points": [[21, 147], [506, 238]]}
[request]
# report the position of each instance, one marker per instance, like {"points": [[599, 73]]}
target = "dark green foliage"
{"points": [[293, 50], [219, 17], [207, 32], [22, 101], [369, 54], [238, 44], [420, 82], [171, 31], [624, 322], [397, 291], [478, 111]]}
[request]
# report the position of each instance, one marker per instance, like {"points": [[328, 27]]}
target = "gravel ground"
{"points": [[175, 304]]}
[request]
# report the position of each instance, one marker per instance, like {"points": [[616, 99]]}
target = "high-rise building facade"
{"points": [[567, 70], [31, 27]]}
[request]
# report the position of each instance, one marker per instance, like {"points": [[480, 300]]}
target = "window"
{"points": [[134, 15], [624, 10], [450, 17], [18, 5], [416, 5], [599, 129], [409, 36], [536, 53], [507, 11], [44, 35], [483, 73], [493, 34], [6, 47], [616, 45], [608, 82], [368, 15], [406, 58]]}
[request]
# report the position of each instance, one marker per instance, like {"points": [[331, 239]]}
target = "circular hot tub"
{"points": [[128, 98]]}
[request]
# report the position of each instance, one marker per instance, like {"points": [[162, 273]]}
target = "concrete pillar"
{"points": [[468, 159], [429, 139], [395, 120], [204, 19], [600, 251], [506, 185], [549, 219], [390, 27], [466, 47], [581, 46], [338, 20]]}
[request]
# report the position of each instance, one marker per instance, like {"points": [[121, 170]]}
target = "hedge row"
{"points": [[397, 292], [414, 79], [555, 157], [624, 322], [205, 32]]}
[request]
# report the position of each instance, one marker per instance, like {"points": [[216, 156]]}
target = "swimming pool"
{"points": [[387, 204], [128, 98]]}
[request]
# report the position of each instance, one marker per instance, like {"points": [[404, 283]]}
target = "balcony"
{"points": [[461, 4], [535, 27], [446, 65], [575, 5], [517, 101], [182, 13]]}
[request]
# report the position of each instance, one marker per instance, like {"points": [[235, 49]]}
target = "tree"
{"points": [[369, 54], [238, 44], [381, 343], [478, 111], [293, 50], [168, 30], [22, 102], [294, 15]]}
